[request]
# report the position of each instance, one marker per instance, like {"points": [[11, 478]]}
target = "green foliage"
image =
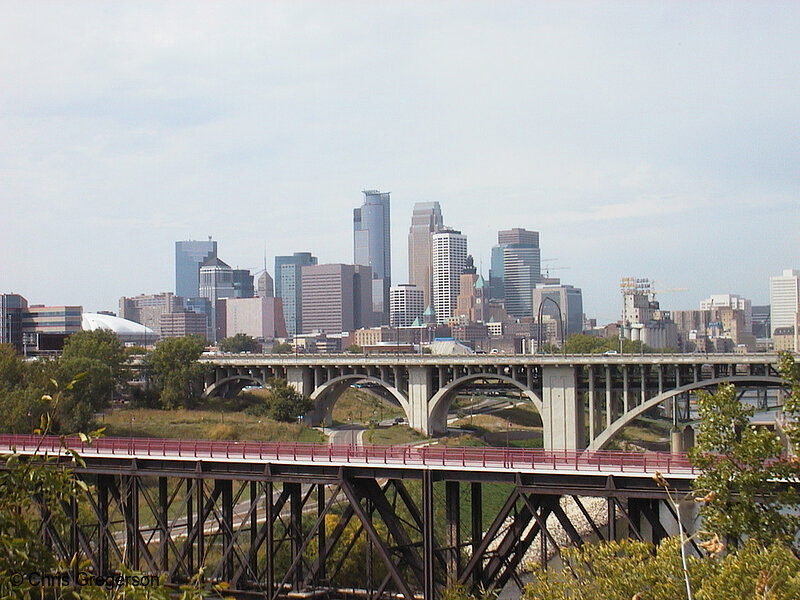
{"points": [[241, 342], [92, 384], [589, 344], [743, 465], [28, 488], [354, 349], [12, 367], [100, 345], [283, 402], [177, 374], [37, 488], [790, 371], [459, 592], [629, 569], [282, 349]]}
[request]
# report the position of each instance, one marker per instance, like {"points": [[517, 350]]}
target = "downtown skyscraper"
{"points": [[425, 221], [516, 269], [449, 250], [372, 247], [289, 287], [189, 257]]}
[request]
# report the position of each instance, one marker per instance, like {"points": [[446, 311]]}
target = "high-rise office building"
{"points": [[216, 283], [518, 235], [289, 287], [336, 298], [516, 269], [784, 299], [261, 318], [568, 298], [182, 323], [425, 221], [12, 307], [147, 309], [733, 301], [407, 304], [45, 328], [372, 247], [265, 287], [189, 257], [243, 284], [761, 328], [449, 250], [472, 304]]}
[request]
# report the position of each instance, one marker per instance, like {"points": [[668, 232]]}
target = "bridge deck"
{"points": [[488, 460]]}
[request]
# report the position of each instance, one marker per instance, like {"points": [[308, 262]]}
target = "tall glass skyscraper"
{"points": [[425, 221], [189, 256], [516, 269], [371, 247], [289, 287]]}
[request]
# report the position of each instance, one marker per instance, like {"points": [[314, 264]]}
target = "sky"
{"points": [[647, 139]]}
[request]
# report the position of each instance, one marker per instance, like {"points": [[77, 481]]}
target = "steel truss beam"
{"points": [[270, 530]]}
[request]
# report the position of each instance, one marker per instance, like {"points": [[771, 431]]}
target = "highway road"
{"points": [[352, 435]]}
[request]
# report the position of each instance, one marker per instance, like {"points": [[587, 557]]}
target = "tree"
{"points": [[92, 389], [42, 484], [630, 569], [581, 343], [241, 342], [282, 348], [284, 402], [355, 349], [101, 345], [745, 467], [12, 367], [177, 374]]}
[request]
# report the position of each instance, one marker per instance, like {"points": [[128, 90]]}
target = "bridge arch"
{"points": [[326, 395], [441, 400], [240, 379], [608, 434]]}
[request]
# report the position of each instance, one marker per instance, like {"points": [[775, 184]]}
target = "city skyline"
{"points": [[654, 140]]}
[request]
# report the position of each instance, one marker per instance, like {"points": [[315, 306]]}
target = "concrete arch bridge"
{"points": [[584, 400]]}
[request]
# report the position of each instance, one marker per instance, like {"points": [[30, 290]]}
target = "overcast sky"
{"points": [[648, 139]]}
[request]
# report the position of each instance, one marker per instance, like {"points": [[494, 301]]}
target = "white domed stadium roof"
{"points": [[126, 330]]}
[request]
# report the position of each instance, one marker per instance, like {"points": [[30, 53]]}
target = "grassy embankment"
{"points": [[216, 419]]}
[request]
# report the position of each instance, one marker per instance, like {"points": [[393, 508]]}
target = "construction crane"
{"points": [[548, 268], [668, 290], [645, 286]]}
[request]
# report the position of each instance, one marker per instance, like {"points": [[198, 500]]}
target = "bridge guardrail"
{"points": [[514, 459]]}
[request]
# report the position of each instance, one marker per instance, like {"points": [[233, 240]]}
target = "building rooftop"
{"points": [[124, 327]]}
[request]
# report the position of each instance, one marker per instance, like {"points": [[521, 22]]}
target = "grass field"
{"points": [[202, 424], [519, 426], [361, 406], [398, 434]]}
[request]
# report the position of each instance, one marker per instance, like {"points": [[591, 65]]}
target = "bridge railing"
{"points": [[515, 459]]}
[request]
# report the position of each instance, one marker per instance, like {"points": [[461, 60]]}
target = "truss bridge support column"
{"points": [[563, 410], [453, 518]]}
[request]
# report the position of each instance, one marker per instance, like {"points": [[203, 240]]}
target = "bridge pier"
{"points": [[420, 386], [563, 411], [301, 379]]}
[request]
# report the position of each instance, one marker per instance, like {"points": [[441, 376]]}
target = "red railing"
{"points": [[514, 459]]}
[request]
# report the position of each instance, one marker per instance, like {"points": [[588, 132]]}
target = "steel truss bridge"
{"points": [[584, 400], [280, 520]]}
